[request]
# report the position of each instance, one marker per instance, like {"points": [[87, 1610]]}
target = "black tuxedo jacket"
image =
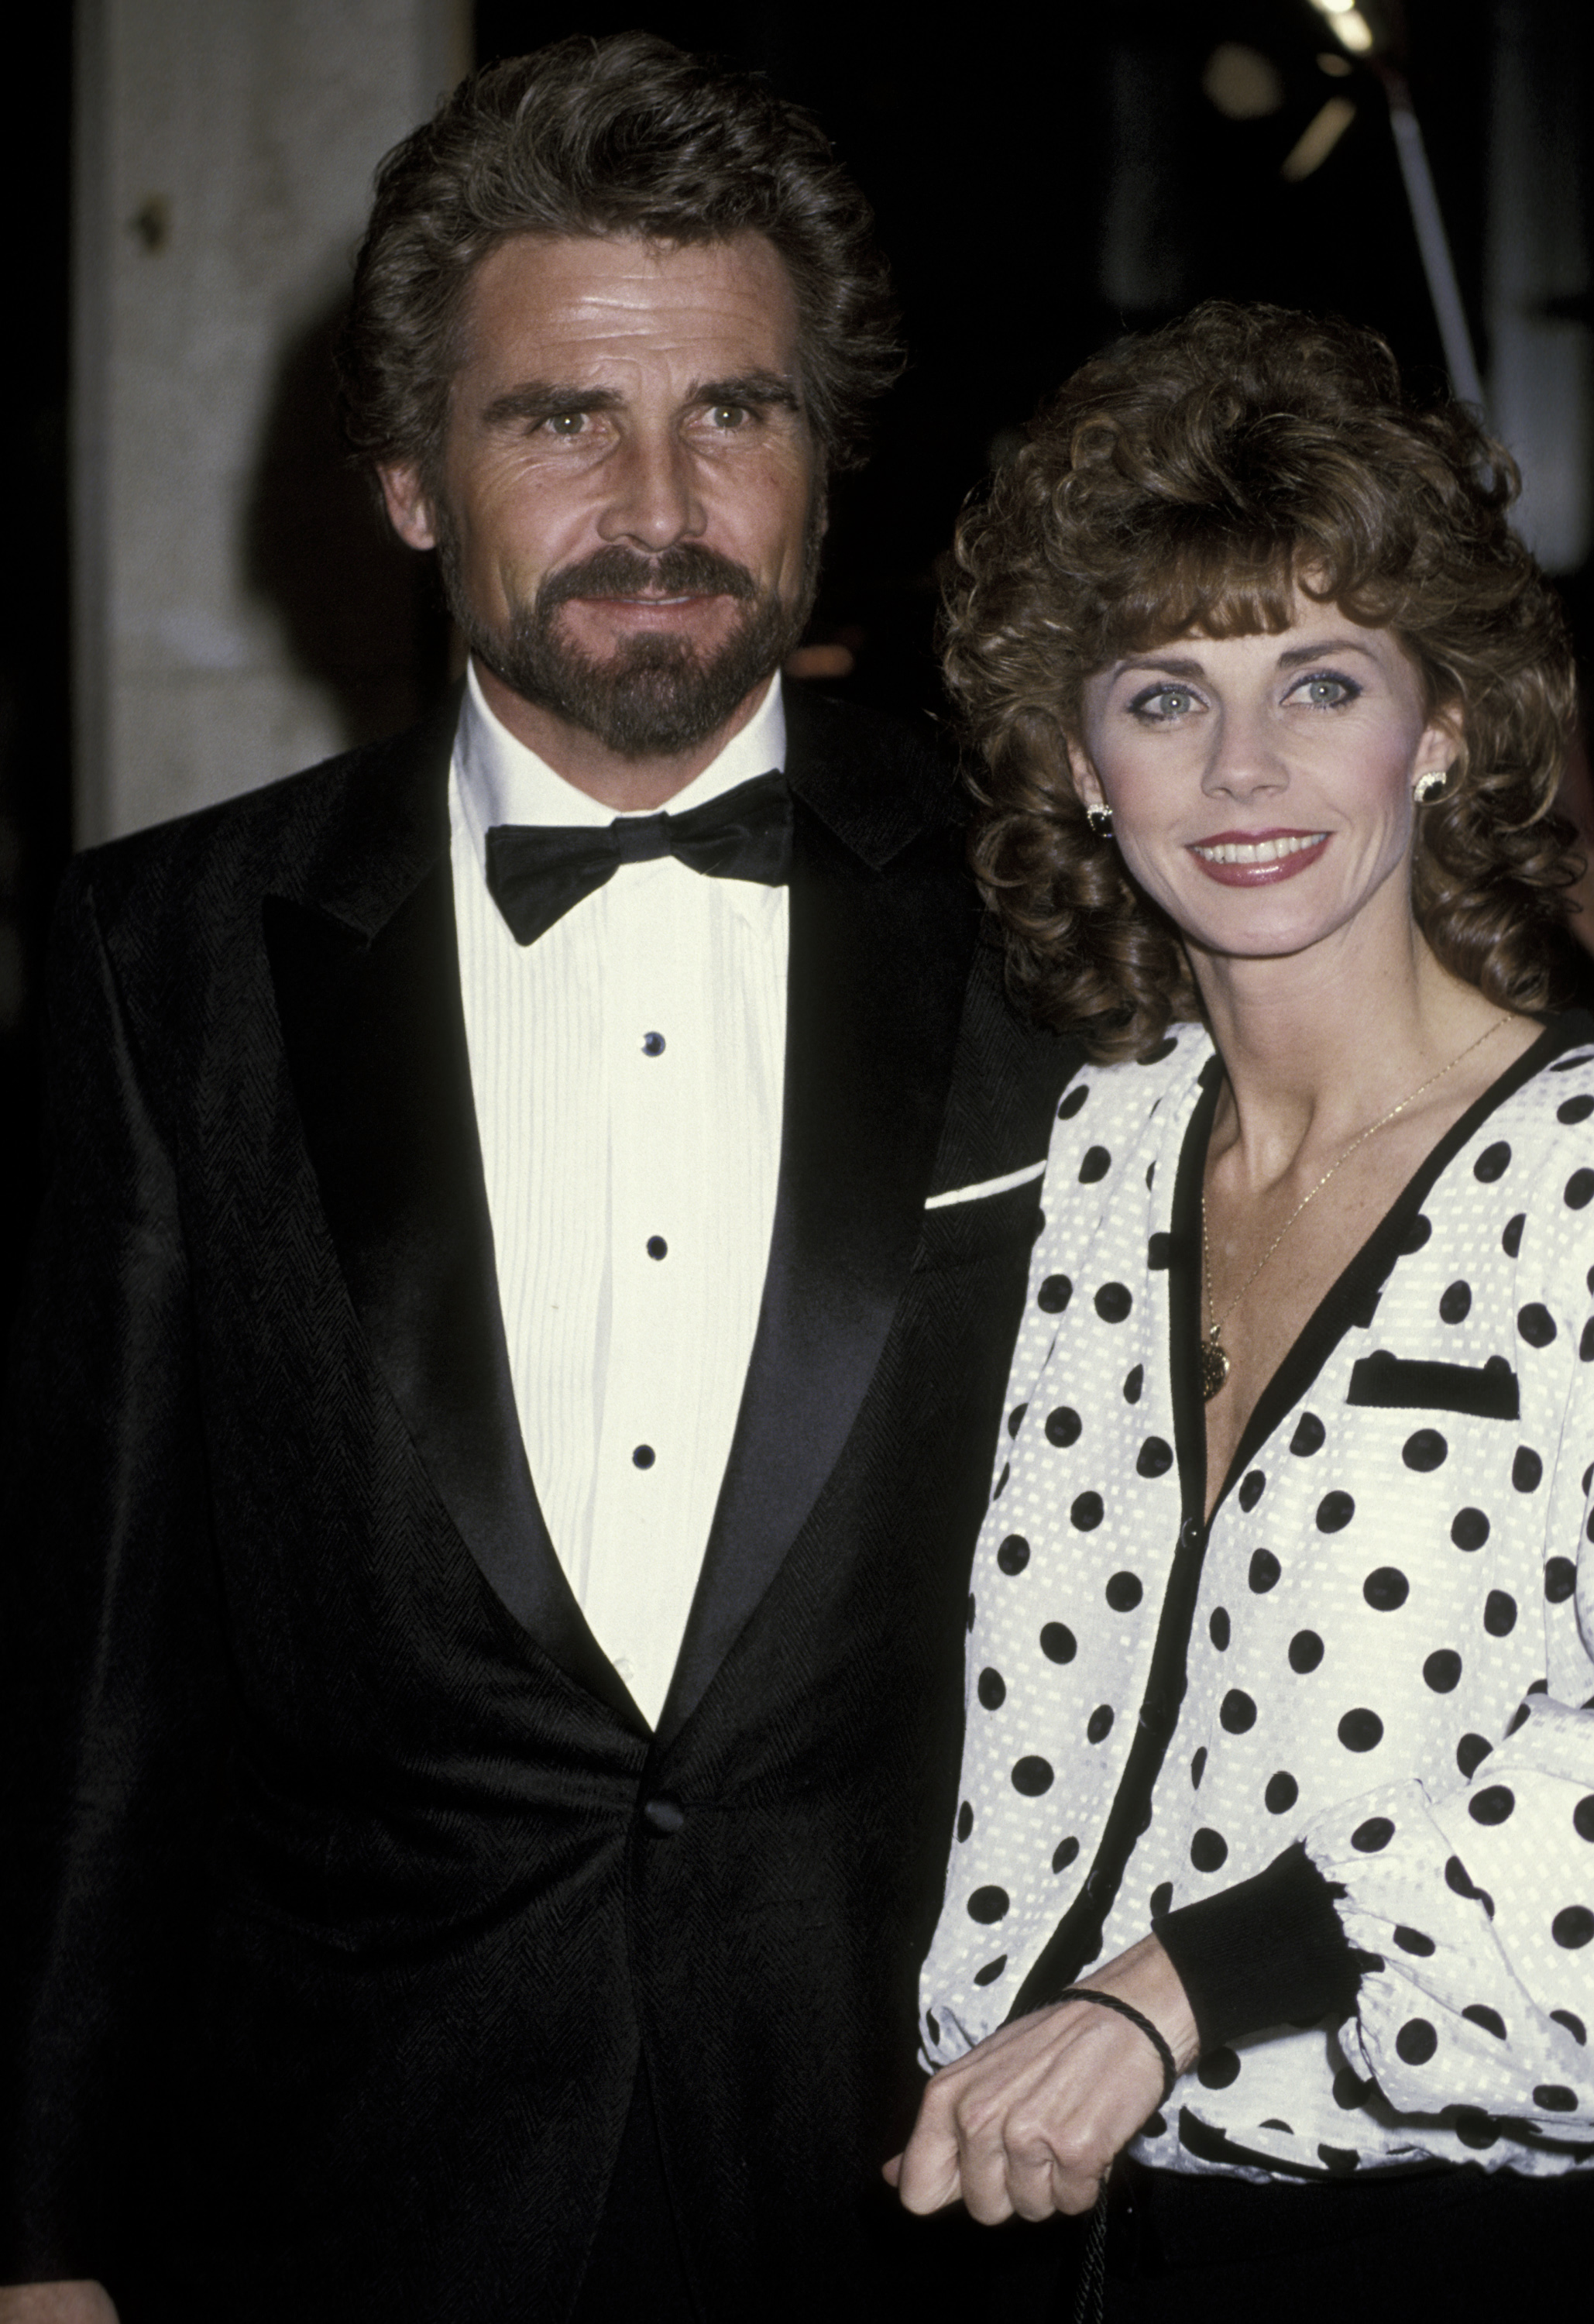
{"points": [[347, 1886]]}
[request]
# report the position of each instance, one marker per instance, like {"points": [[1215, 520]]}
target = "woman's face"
{"points": [[1261, 787]]}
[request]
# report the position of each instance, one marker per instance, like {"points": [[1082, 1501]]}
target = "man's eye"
{"points": [[564, 423], [728, 415]]}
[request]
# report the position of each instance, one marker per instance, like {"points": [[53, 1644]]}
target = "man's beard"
{"points": [[653, 697]]}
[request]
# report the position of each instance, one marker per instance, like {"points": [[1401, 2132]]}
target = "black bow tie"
{"points": [[537, 872]]}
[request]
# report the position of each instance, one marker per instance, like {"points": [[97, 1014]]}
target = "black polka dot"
{"points": [[1124, 1592], [1161, 1049], [1350, 2088], [1218, 2068], [1576, 1109], [968, 1613], [1457, 1877], [1492, 1163], [1519, 1717], [1276, 2122], [1155, 2125], [1471, 1752], [1062, 1425], [1198, 1767], [1250, 1489], [1535, 1323], [1162, 1897], [1237, 1714], [1055, 1293], [1099, 1726], [1305, 1651], [1586, 1348], [1001, 1486], [1064, 1853], [1154, 1458], [1013, 1556], [643, 1456], [1469, 1529], [1578, 1190], [1058, 1643], [1499, 1613], [1159, 1253], [1217, 1627], [1282, 1792], [1415, 1235], [1339, 2161], [1073, 1101], [1133, 1381], [1309, 1436], [1417, 2042], [1413, 1940], [1443, 1670], [991, 1971], [1366, 1307], [992, 1688], [1361, 1730], [1085, 1512], [1016, 1418], [1474, 2128], [1113, 1302], [1527, 1470], [1555, 2098], [1096, 1163], [1264, 1571], [966, 1820], [1561, 1579], [652, 1045], [932, 2023], [988, 1904], [1334, 1512], [1455, 1302], [1424, 1449], [1032, 1776], [1385, 1589], [1573, 2025], [1582, 1817], [1208, 1850], [1511, 1239], [1478, 2012], [1369, 1837], [1572, 1926]]}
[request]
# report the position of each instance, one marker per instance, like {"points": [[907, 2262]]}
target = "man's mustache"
{"points": [[688, 569]]}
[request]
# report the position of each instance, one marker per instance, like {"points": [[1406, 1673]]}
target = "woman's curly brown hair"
{"points": [[1195, 480]]}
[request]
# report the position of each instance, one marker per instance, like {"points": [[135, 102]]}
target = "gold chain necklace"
{"points": [[1214, 1362]]}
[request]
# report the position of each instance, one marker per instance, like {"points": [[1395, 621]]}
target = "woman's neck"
{"points": [[1318, 1045]]}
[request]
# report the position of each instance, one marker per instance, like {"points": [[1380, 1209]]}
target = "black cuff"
{"points": [[1268, 1951]]}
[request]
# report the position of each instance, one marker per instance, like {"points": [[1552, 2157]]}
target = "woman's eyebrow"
{"points": [[1299, 654]]}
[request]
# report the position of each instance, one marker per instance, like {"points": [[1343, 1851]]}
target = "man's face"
{"points": [[627, 508]]}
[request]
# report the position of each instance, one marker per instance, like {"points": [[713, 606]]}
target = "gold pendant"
{"points": [[1214, 1366]]}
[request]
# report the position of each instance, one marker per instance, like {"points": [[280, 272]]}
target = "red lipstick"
{"points": [[1257, 859]]}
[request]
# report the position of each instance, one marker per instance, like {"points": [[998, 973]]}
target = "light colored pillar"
{"points": [[237, 614]]}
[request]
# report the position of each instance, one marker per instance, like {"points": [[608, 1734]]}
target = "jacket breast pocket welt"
{"points": [[1401, 1383], [984, 1226]]}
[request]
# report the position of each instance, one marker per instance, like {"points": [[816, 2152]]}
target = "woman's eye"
{"points": [[1327, 692], [1163, 701]]}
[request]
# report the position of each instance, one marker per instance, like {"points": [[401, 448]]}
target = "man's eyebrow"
{"points": [[545, 399], [758, 388]]}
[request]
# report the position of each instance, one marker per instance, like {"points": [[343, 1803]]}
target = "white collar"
{"points": [[500, 780]]}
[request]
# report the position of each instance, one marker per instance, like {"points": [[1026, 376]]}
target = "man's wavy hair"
{"points": [[1193, 480], [624, 135]]}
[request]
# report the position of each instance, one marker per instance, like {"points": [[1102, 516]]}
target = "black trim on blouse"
{"points": [[1269, 1951]]}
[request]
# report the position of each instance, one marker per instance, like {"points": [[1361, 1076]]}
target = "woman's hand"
{"points": [[1031, 2119]]}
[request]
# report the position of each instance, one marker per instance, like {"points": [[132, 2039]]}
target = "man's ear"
{"points": [[409, 505]]}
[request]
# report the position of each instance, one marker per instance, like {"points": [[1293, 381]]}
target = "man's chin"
{"points": [[652, 698]]}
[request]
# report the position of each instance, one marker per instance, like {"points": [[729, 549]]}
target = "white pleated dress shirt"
{"points": [[627, 1069]]}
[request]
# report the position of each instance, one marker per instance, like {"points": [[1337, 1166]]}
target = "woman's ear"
{"points": [[1441, 741], [1086, 785]]}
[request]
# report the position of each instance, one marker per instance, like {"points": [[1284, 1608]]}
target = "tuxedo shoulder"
{"points": [[836, 746], [314, 830]]}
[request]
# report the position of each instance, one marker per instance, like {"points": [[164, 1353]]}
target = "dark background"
{"points": [[1043, 179]]}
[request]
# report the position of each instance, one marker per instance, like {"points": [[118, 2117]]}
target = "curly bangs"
{"points": [[622, 135], [1199, 480]]}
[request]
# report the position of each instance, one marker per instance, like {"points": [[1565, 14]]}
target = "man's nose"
{"points": [[653, 500]]}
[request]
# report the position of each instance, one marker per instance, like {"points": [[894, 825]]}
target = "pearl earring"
{"points": [[1431, 785], [1099, 819]]}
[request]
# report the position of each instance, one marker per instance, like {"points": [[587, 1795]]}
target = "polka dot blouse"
{"points": [[1374, 1662]]}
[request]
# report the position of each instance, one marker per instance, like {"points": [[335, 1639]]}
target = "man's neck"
{"points": [[629, 785]]}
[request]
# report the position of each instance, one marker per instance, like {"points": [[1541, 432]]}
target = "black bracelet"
{"points": [[1170, 2072]]}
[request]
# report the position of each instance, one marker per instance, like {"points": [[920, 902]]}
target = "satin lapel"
{"points": [[880, 956], [375, 1032]]}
